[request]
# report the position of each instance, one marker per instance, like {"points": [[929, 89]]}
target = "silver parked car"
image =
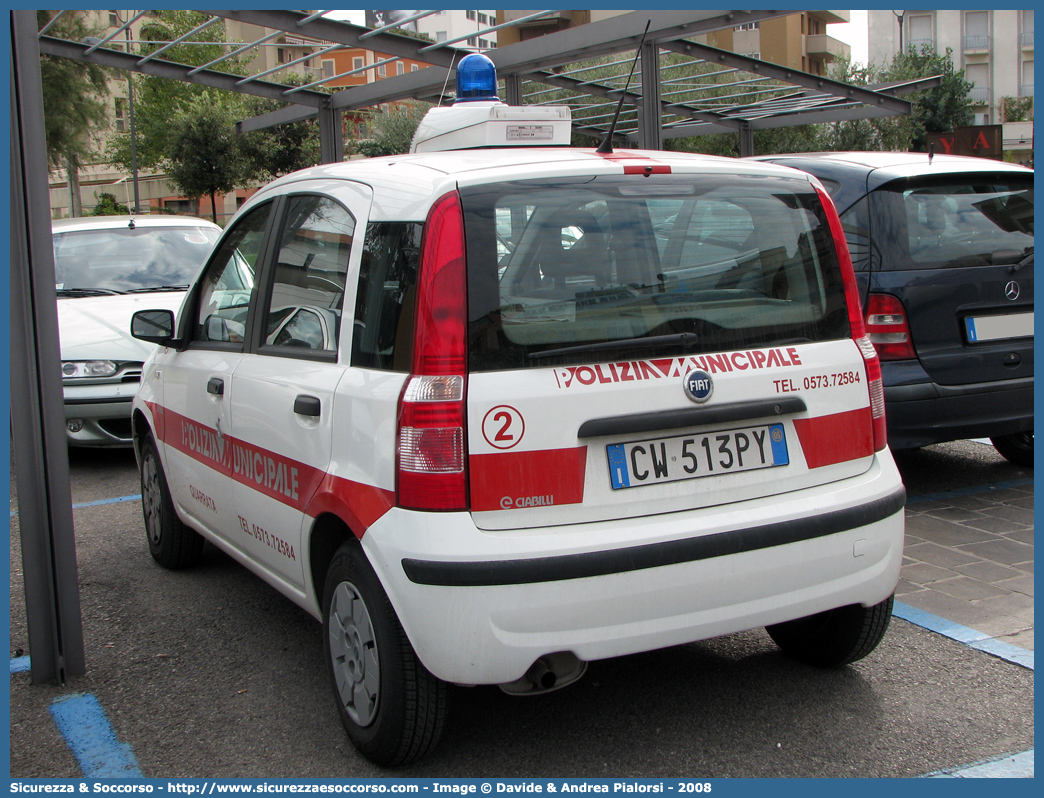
{"points": [[107, 267]]}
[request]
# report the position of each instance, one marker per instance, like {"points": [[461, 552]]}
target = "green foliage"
{"points": [[203, 156], [108, 206], [75, 94], [279, 150], [159, 100], [390, 132], [935, 110], [1018, 109]]}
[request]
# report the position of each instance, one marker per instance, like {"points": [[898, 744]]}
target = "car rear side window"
{"points": [[964, 221], [560, 270], [384, 304]]}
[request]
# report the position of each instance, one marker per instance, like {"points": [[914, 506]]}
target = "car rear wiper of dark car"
{"points": [[1026, 261], [78, 292], [684, 339], [157, 289]]}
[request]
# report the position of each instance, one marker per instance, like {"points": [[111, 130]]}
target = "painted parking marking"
{"points": [[20, 665], [1016, 766], [98, 502], [92, 740], [964, 634]]}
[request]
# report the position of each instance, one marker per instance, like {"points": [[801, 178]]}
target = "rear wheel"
{"points": [[171, 543], [392, 708], [836, 637], [1017, 448]]}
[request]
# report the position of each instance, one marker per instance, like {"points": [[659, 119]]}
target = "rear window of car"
{"points": [[570, 270], [959, 222], [131, 259]]}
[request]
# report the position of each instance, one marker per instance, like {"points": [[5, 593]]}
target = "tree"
{"points": [[159, 100], [75, 98], [203, 153], [280, 150], [937, 110], [391, 132]]}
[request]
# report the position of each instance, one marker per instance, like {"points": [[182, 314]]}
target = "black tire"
{"points": [[391, 706], [171, 543], [836, 637], [1017, 448]]}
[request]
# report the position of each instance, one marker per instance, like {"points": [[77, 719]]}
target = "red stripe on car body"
{"points": [[827, 440], [519, 480]]}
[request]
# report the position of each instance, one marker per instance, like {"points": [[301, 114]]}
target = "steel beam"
{"points": [[331, 136], [168, 69], [52, 597], [792, 76], [649, 115]]}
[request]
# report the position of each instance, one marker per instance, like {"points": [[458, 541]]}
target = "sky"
{"points": [[854, 33]]}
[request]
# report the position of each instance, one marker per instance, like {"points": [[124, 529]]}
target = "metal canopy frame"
{"points": [[741, 94], [660, 108]]}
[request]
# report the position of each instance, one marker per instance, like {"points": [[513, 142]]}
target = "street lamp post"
{"points": [[133, 134], [899, 16]]}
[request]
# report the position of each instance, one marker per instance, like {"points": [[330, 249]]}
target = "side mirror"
{"points": [[154, 326]]}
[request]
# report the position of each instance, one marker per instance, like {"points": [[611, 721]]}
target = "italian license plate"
{"points": [[999, 328], [653, 462]]}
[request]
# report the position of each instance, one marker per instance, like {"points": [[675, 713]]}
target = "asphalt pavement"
{"points": [[208, 673]]}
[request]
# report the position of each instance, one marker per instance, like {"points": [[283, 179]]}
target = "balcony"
{"points": [[1026, 90], [980, 42], [980, 95], [550, 19], [1027, 40], [830, 17], [827, 47], [918, 45]]}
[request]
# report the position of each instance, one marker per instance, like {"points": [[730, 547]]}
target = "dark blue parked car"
{"points": [[943, 250]]}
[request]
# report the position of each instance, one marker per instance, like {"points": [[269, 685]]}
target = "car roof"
{"points": [[115, 222], [859, 173], [405, 185]]}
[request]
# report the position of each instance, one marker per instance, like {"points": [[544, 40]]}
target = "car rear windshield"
{"points": [[573, 270], [971, 220], [130, 259]]}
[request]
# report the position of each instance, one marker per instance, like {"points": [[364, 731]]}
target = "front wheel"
{"points": [[392, 708], [1017, 448], [171, 543], [836, 637]]}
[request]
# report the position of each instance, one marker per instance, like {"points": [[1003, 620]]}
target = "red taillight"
{"points": [[888, 328], [431, 445], [872, 364]]}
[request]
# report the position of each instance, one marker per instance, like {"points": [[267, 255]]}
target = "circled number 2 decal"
{"points": [[503, 427]]}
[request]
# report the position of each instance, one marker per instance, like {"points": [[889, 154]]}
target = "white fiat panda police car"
{"points": [[491, 413]]}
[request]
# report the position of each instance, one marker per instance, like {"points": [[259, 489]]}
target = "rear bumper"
{"points": [[481, 607], [924, 413]]}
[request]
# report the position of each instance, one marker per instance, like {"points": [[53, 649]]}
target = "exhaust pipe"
{"points": [[542, 677], [549, 672]]}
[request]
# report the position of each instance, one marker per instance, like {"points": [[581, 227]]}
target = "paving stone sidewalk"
{"points": [[969, 559]]}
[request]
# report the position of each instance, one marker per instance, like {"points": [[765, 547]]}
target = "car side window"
{"points": [[304, 307], [228, 284]]}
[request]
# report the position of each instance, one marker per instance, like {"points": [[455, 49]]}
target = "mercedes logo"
{"points": [[1011, 290]]}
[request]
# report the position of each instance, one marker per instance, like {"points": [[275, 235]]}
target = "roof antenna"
{"points": [[606, 146], [931, 152]]}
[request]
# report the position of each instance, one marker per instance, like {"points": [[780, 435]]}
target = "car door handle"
{"points": [[216, 386], [307, 405]]}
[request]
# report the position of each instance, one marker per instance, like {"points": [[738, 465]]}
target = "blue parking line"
{"points": [[86, 729], [964, 634], [20, 665], [1017, 766], [98, 502]]}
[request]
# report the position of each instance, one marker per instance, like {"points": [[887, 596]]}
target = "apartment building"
{"points": [[799, 41], [993, 47]]}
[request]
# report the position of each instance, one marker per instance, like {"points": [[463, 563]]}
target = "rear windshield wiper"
{"points": [[79, 292], [157, 289], [1026, 261], [684, 339]]}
